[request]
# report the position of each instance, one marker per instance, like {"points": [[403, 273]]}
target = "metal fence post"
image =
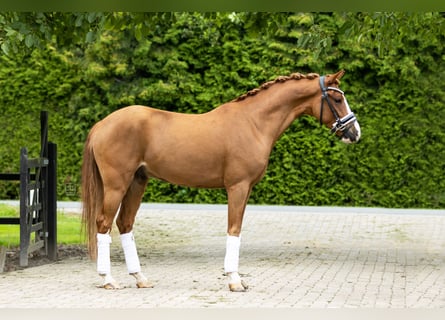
{"points": [[24, 195], [52, 201]]}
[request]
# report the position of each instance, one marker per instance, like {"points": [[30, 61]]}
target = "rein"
{"points": [[341, 124]]}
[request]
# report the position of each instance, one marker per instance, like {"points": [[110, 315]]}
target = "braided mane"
{"points": [[266, 85]]}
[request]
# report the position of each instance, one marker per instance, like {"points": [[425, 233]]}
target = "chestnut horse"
{"points": [[228, 147]]}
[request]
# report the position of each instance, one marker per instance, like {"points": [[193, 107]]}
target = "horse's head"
{"points": [[334, 110]]}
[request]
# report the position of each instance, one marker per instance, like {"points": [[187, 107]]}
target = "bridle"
{"points": [[340, 124]]}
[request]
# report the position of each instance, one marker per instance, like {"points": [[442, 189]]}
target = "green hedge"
{"points": [[198, 62]]}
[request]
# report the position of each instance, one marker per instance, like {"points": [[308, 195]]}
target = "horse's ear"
{"points": [[335, 78]]}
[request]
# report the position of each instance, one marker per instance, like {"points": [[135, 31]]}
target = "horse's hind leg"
{"points": [[125, 220], [104, 221]]}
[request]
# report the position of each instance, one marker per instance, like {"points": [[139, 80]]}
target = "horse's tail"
{"points": [[92, 196]]}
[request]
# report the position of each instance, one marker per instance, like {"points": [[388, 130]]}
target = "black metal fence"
{"points": [[38, 198]]}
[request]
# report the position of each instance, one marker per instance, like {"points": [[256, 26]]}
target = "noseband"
{"points": [[340, 124]]}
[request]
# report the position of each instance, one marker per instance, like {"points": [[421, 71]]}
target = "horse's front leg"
{"points": [[237, 199]]}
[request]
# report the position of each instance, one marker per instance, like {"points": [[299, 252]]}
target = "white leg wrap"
{"points": [[234, 277], [103, 254], [231, 260], [108, 279], [130, 252], [139, 277]]}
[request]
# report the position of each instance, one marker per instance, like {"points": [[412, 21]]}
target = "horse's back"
{"points": [[171, 146], [126, 124]]}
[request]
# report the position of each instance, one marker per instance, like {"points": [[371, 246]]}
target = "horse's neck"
{"points": [[274, 110]]}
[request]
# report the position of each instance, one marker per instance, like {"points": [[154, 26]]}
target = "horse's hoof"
{"points": [[238, 287], [141, 280], [144, 284], [111, 286]]}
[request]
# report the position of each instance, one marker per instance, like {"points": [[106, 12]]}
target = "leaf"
{"points": [[30, 40], [91, 17], [79, 21], [5, 48], [90, 37], [138, 33]]}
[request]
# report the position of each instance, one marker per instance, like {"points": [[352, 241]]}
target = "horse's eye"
{"points": [[337, 100]]}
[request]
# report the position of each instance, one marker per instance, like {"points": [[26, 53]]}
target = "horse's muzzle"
{"points": [[347, 128], [350, 133]]}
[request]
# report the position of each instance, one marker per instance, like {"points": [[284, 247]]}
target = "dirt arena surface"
{"points": [[291, 257]]}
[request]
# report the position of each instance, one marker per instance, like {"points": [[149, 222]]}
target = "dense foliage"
{"points": [[192, 62]]}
